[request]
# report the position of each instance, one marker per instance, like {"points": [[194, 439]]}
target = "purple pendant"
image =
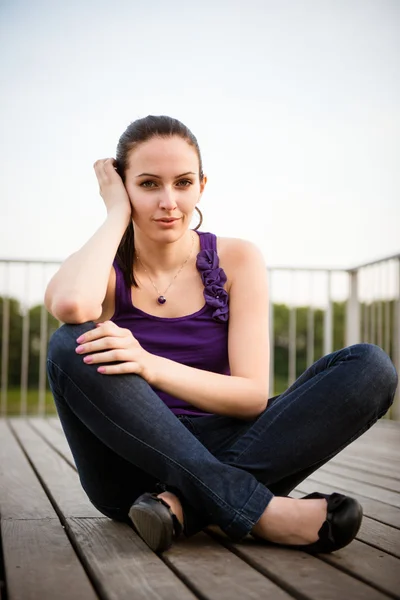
{"points": [[161, 300]]}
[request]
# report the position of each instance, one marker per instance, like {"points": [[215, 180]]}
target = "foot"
{"points": [[153, 520], [174, 504], [292, 521]]}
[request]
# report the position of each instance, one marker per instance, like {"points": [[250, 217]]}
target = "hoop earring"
{"points": [[201, 219]]}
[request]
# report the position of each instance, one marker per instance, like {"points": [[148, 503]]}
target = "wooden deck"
{"points": [[55, 545]]}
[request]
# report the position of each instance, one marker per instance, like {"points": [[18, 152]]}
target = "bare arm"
{"points": [[244, 394], [76, 292]]}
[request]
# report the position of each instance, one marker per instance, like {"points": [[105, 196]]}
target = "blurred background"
{"points": [[296, 107]]}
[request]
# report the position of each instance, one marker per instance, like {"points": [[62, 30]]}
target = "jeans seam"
{"points": [[170, 461]]}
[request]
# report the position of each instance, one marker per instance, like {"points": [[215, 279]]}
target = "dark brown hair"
{"points": [[136, 133]]}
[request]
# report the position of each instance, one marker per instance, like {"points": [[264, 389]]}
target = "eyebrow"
{"points": [[158, 177]]}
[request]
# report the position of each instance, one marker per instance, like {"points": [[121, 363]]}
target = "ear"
{"points": [[202, 185]]}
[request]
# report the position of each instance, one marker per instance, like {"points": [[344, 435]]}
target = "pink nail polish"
{"points": [[87, 359], [80, 339], [101, 369], [78, 349]]}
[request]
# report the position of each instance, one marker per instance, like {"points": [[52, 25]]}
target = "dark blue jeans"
{"points": [[225, 470]]}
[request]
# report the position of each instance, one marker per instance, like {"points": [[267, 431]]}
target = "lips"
{"points": [[166, 220]]}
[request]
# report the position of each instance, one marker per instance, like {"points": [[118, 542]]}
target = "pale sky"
{"points": [[295, 104]]}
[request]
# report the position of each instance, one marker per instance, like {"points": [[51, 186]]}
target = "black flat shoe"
{"points": [[344, 516], [155, 522]]}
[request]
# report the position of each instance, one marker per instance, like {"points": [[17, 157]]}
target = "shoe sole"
{"points": [[150, 527]]}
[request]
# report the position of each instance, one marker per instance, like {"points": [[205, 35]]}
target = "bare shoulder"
{"points": [[236, 253]]}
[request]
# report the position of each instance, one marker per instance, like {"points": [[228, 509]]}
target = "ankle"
{"points": [[291, 520], [174, 504]]}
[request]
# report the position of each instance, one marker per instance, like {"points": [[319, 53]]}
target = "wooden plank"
{"points": [[301, 574], [120, 563], [380, 550], [368, 451], [35, 547], [59, 478], [364, 489], [53, 437], [381, 536], [380, 449], [369, 564], [363, 452], [55, 422], [41, 563], [21, 495], [383, 513], [385, 451], [218, 574], [385, 428], [378, 481], [363, 465]]}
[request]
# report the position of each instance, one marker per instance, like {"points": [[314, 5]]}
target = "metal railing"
{"points": [[370, 292]]}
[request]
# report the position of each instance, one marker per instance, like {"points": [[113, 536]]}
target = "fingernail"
{"points": [[78, 349], [80, 339], [87, 359], [101, 369]]}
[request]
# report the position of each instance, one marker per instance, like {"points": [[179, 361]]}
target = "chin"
{"points": [[169, 235]]}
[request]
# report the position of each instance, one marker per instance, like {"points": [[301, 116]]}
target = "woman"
{"points": [[160, 374]]}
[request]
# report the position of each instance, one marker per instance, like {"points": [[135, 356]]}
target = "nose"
{"points": [[167, 201]]}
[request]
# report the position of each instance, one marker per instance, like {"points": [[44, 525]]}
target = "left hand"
{"points": [[110, 343]]}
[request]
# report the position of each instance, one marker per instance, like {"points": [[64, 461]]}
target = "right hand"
{"points": [[112, 188]]}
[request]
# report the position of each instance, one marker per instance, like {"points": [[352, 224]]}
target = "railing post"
{"points": [[353, 311], [310, 336], [292, 336], [42, 361], [5, 343], [395, 410], [328, 319], [25, 347], [271, 390]]}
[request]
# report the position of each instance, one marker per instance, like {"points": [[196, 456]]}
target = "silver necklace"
{"points": [[161, 299]]}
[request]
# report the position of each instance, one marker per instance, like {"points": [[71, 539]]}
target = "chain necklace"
{"points": [[161, 297]]}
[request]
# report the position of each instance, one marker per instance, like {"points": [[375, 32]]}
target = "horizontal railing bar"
{"points": [[38, 261], [374, 262], [32, 261], [270, 267]]}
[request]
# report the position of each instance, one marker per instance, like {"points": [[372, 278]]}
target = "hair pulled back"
{"points": [[135, 134]]}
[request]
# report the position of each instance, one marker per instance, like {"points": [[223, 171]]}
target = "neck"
{"points": [[161, 257]]}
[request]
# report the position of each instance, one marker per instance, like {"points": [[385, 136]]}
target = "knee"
{"points": [[61, 355], [64, 339], [379, 373]]}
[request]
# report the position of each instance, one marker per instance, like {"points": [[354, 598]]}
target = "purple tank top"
{"points": [[198, 340]]}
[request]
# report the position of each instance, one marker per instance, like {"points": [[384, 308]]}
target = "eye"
{"points": [[147, 184], [184, 182]]}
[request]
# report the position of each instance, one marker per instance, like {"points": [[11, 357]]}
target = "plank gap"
{"points": [[51, 445], [185, 580], [3, 583]]}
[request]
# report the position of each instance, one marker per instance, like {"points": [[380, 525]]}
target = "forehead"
{"points": [[164, 154]]}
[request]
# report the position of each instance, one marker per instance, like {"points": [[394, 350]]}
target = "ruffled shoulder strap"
{"points": [[208, 241], [213, 277]]}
